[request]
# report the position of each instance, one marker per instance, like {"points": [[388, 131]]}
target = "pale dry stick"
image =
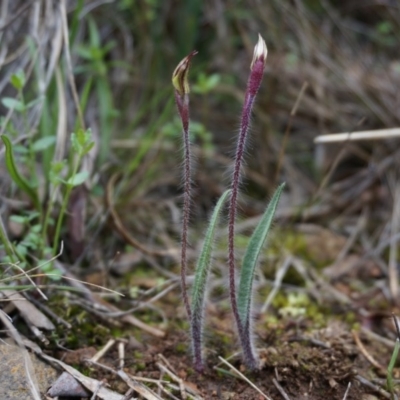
{"points": [[121, 354], [394, 228], [61, 134], [167, 392], [279, 275], [103, 351], [280, 389], [375, 388], [128, 394], [163, 293], [372, 335], [69, 63], [366, 354], [178, 380], [99, 386], [240, 375], [27, 361], [147, 380], [347, 391], [288, 128], [169, 370], [377, 134], [144, 391], [82, 282]]}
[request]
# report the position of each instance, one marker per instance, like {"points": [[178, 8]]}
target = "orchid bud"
{"points": [[180, 75], [260, 52]]}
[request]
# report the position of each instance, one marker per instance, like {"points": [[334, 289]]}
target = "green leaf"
{"points": [[19, 219], [78, 179], [250, 258], [18, 79], [15, 175], [43, 143], [201, 275], [389, 376], [13, 104]]}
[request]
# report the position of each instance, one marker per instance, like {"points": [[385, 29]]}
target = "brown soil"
{"points": [[318, 364]]}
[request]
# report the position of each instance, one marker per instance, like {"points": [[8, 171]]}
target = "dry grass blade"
{"points": [[138, 387], [347, 391], [240, 375], [280, 388], [103, 351], [183, 388], [375, 388], [366, 354]]}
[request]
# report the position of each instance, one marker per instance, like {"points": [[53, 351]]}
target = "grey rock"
{"points": [[14, 363]]}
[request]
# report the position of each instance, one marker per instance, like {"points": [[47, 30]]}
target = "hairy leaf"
{"points": [[200, 281], [250, 258]]}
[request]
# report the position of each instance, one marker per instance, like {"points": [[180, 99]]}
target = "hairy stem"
{"points": [[182, 103], [253, 85]]}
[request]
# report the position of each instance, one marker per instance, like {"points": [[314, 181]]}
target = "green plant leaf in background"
{"points": [[78, 178], [43, 143], [15, 175], [250, 258], [13, 104], [200, 282]]}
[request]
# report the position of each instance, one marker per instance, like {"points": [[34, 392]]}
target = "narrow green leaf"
{"points": [[201, 275], [389, 376], [15, 175], [250, 258]]}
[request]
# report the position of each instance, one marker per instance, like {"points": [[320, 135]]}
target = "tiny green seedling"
{"points": [[393, 359]]}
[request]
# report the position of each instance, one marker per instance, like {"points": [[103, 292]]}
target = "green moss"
{"points": [[181, 348], [140, 366]]}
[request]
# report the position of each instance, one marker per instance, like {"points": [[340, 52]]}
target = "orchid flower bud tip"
{"points": [[260, 52], [180, 75]]}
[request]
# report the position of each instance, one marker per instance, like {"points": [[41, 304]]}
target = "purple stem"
{"points": [[253, 85], [182, 103]]}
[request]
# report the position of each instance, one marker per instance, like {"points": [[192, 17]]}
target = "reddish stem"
{"points": [[182, 103], [253, 85]]}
